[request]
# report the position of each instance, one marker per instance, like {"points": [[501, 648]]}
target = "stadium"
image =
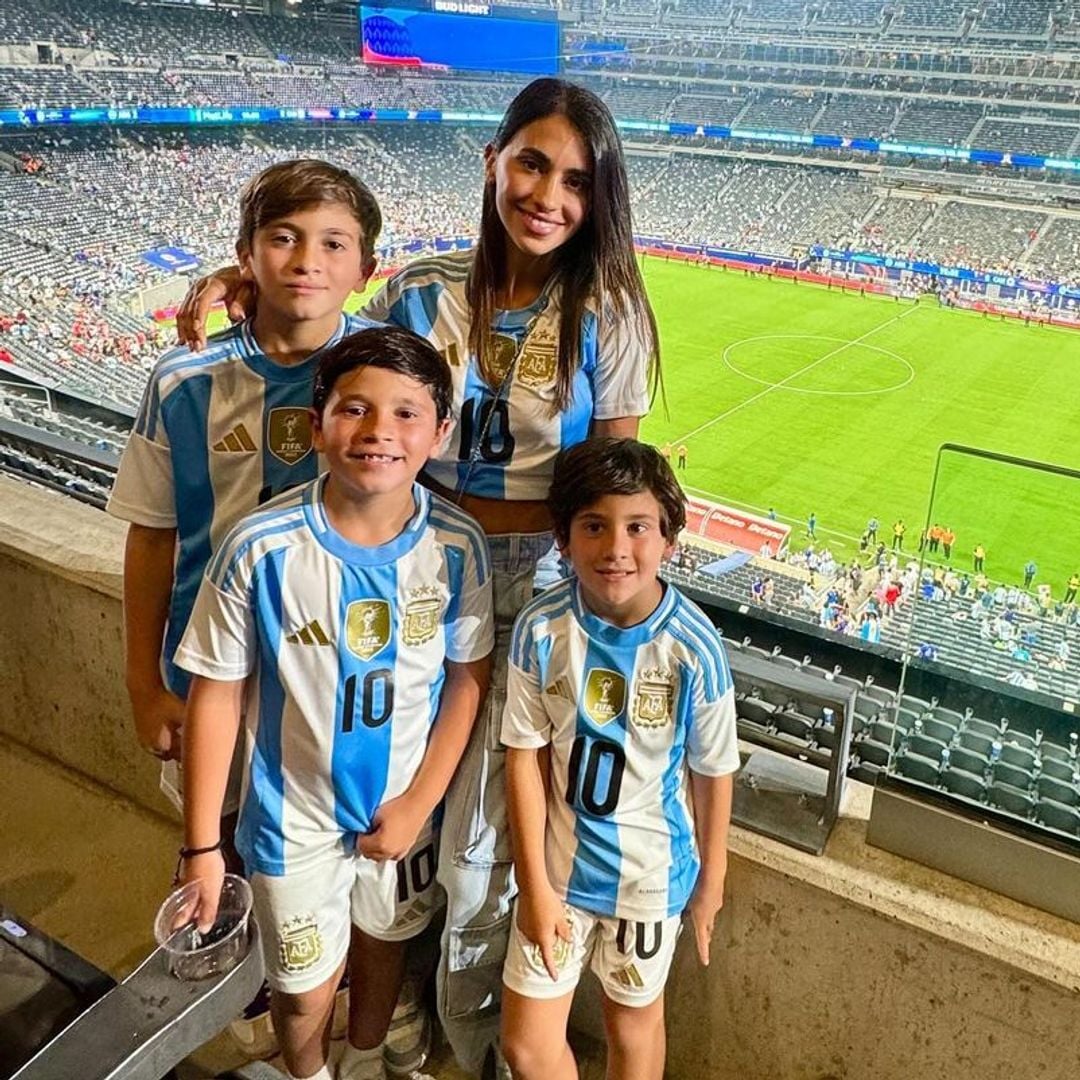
{"points": [[858, 226]]}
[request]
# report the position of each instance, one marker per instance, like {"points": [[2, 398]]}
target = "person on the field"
{"points": [[550, 339], [1071, 588], [978, 556], [898, 530], [948, 538], [682, 455], [348, 624], [871, 530], [1031, 568], [620, 728], [811, 526]]}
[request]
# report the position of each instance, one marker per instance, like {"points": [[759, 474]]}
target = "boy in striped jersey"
{"points": [[349, 622], [224, 429], [620, 708]]}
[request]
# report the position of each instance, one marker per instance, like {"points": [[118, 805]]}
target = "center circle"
{"points": [[840, 344]]}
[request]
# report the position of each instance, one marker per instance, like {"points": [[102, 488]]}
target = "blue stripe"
{"points": [[547, 605], [228, 559], [245, 527], [574, 421], [360, 759], [454, 558], [185, 417], [479, 477], [279, 475], [465, 528], [704, 648], [597, 865], [260, 837], [684, 866]]}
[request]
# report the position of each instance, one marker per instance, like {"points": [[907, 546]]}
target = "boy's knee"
{"points": [[634, 1031], [529, 1056], [307, 1004]]}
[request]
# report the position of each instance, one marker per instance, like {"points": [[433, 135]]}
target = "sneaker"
{"points": [[254, 1032], [408, 1042]]}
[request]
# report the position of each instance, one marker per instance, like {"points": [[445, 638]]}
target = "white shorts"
{"points": [[305, 918], [630, 959]]}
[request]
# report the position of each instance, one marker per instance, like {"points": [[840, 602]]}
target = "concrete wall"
{"points": [[856, 965]]}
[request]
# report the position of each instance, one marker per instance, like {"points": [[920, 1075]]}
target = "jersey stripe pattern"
{"points": [[626, 712], [336, 720], [219, 432], [505, 444]]}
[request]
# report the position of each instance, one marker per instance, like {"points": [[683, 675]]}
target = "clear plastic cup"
{"points": [[193, 955]]}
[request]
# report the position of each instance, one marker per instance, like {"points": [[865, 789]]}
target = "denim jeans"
{"points": [[475, 867]]}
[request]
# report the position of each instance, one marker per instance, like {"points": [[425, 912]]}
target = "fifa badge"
{"points": [[605, 695], [367, 627], [288, 434]]}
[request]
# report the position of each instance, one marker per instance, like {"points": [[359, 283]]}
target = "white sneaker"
{"points": [[254, 1032]]}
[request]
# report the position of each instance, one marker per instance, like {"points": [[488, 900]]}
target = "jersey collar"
{"points": [[354, 554], [606, 633], [272, 371]]}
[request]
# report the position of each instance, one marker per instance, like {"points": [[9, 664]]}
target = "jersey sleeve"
{"points": [[219, 642], [386, 306], [471, 631], [621, 379], [144, 492], [712, 743], [525, 722]]}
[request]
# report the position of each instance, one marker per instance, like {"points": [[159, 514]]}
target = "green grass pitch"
{"points": [[805, 399]]}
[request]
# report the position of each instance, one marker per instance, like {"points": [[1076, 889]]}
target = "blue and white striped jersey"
{"points": [[625, 712], [219, 433], [513, 435], [344, 646]]}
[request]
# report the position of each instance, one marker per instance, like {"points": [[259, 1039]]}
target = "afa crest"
{"points": [[301, 943], [367, 627], [421, 620], [654, 702], [539, 359], [288, 434], [605, 696]]}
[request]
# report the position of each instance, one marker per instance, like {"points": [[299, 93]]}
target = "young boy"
{"points": [[620, 705], [222, 430], [349, 622]]}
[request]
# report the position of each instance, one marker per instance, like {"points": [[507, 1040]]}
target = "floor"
{"points": [[90, 868]]}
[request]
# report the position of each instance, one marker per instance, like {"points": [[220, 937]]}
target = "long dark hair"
{"points": [[597, 262]]}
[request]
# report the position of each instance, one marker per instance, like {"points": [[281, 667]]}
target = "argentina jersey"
{"points": [[506, 438], [344, 646], [219, 432], [625, 712]]}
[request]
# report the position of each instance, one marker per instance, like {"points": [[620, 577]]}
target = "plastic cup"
{"points": [[192, 955]]}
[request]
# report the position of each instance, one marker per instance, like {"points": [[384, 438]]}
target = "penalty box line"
{"points": [[794, 375]]}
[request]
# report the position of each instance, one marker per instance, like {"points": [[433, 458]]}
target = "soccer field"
{"points": [[803, 399]]}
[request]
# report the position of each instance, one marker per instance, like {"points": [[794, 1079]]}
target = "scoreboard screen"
{"points": [[460, 35]]}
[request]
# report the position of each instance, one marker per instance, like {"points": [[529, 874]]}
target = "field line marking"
{"points": [[794, 375]]}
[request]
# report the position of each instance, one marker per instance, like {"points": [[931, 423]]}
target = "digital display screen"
{"points": [[460, 35]]}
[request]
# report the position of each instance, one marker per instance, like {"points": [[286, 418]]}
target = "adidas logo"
{"points": [[560, 688], [629, 977], [238, 441], [312, 634]]}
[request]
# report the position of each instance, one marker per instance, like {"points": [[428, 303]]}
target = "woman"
{"points": [[550, 339]]}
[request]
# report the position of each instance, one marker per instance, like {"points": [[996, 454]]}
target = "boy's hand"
{"points": [[707, 900], [159, 716], [394, 829], [541, 918], [224, 284], [208, 872]]}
